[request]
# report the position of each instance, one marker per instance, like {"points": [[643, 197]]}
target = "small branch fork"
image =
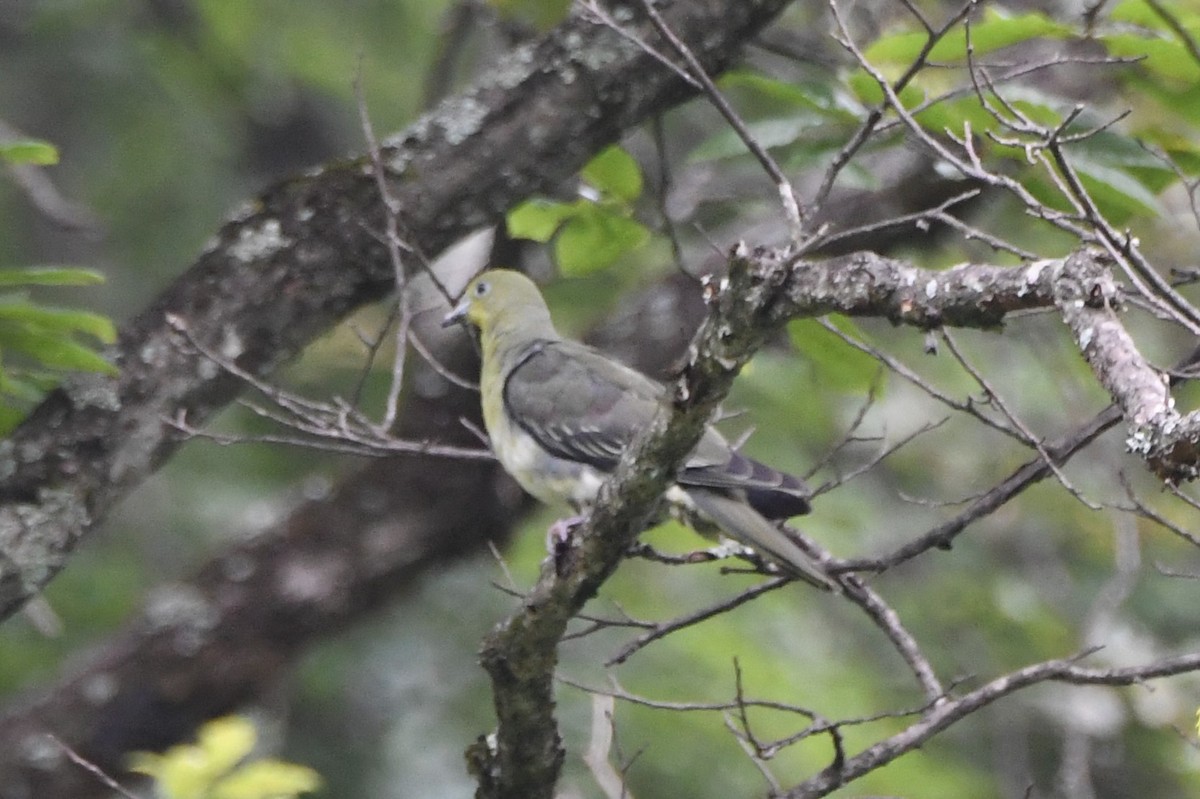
{"points": [[333, 426], [865, 284]]}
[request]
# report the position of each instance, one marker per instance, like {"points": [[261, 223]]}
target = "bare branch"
{"points": [[945, 714], [868, 126], [889, 621]]}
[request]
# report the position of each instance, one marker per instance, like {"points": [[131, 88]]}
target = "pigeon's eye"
{"points": [[482, 289]]}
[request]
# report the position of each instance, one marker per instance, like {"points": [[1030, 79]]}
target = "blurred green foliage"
{"points": [[595, 231], [44, 339], [218, 766]]}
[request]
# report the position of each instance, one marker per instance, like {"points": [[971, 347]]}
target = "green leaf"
{"points": [[868, 92], [50, 276], [1178, 103], [1116, 192], [1044, 109], [267, 779], [53, 350], [181, 773], [1039, 107], [20, 388], [226, 741], [542, 14], [838, 366], [997, 30], [594, 239], [767, 132], [1183, 150], [1112, 149], [62, 320], [953, 115], [1139, 12], [29, 151], [615, 173], [816, 148], [538, 219], [819, 97], [9, 418], [208, 769], [1165, 60], [189, 771]]}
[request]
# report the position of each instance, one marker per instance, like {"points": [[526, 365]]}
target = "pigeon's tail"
{"points": [[742, 522]]}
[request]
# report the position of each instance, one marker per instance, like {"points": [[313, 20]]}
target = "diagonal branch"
{"points": [[765, 289]]}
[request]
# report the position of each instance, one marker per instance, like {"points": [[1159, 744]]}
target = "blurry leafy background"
{"points": [[167, 114]]}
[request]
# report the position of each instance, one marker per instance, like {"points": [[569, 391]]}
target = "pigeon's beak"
{"points": [[457, 315]]}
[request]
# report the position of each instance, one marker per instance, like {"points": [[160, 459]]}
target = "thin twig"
{"points": [[695, 617], [943, 535], [91, 768], [792, 210], [998, 402]]}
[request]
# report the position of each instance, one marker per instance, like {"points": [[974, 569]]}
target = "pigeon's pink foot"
{"points": [[559, 533]]}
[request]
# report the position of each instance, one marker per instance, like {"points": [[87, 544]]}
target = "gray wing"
{"points": [[582, 406], [579, 404]]}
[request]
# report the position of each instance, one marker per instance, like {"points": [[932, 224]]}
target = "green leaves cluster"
{"points": [[215, 767], [589, 234], [1123, 167], [46, 341]]}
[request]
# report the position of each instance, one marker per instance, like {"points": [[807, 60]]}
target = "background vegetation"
{"points": [[167, 116]]}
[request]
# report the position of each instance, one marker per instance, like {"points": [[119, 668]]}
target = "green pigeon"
{"points": [[560, 414]]}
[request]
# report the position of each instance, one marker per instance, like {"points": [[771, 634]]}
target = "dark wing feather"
{"points": [[579, 404], [774, 494]]}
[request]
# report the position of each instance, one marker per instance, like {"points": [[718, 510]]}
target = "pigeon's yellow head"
{"points": [[500, 298]]}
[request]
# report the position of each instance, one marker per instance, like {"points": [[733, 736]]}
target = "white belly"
{"points": [[552, 480]]}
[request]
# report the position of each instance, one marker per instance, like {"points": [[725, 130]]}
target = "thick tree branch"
{"points": [[306, 253], [967, 295], [1167, 440]]}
